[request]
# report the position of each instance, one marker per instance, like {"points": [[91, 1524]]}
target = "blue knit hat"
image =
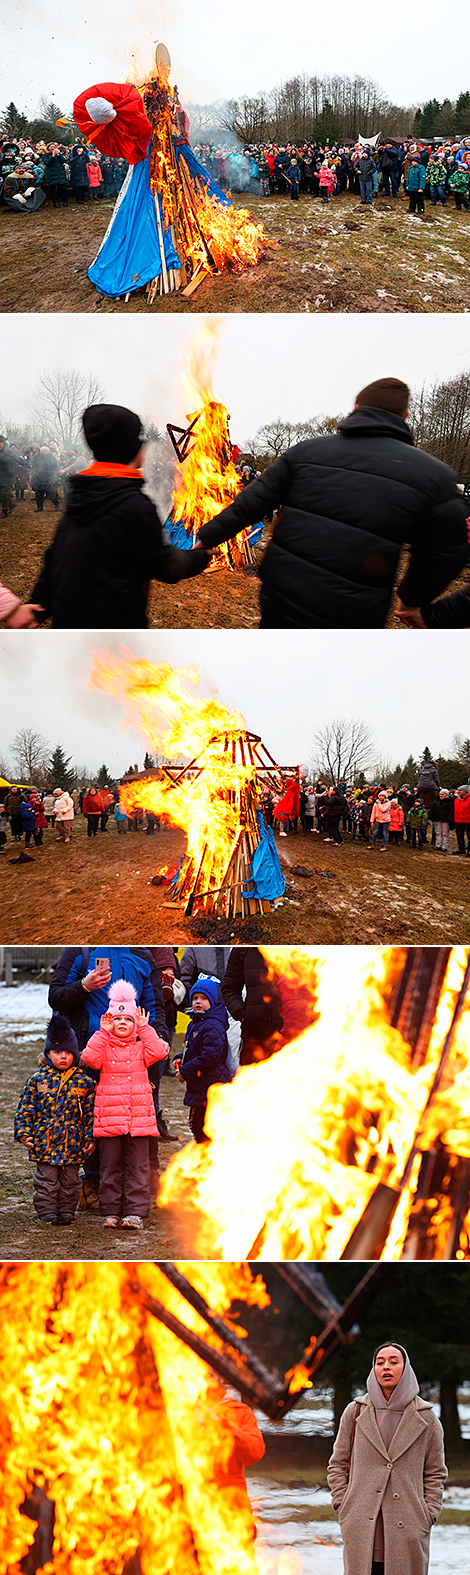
{"points": [[60, 1036], [206, 985]]}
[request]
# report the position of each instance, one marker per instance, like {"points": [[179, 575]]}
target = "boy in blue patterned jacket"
{"points": [[54, 1120]]}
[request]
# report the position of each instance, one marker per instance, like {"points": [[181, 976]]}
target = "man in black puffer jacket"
{"points": [[349, 504], [109, 543]]}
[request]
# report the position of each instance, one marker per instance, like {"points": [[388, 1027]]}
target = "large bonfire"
{"points": [[212, 786], [359, 1141], [206, 480], [106, 1413]]}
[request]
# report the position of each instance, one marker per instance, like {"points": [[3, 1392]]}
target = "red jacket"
{"points": [[248, 1441], [462, 810], [124, 1099], [92, 804]]}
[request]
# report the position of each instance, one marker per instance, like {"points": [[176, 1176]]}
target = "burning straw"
{"points": [[300, 1144]]}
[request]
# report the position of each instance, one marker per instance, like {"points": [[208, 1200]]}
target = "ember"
{"points": [[363, 1150], [231, 864]]}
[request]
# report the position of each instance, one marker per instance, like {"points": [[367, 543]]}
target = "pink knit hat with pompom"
{"points": [[123, 1000]]}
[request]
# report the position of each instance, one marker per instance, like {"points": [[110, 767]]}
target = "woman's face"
{"points": [[389, 1364]]}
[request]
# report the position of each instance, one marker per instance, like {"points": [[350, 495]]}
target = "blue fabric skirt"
{"points": [[130, 254]]}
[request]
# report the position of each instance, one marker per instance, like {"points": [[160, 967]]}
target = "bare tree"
{"points": [[342, 749], [441, 423], [61, 398], [275, 437], [31, 754]]}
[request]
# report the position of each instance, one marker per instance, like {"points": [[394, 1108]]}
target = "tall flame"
{"points": [[120, 1423], [310, 1133], [207, 481]]}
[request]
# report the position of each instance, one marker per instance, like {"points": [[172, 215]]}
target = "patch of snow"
{"points": [[24, 1009]]}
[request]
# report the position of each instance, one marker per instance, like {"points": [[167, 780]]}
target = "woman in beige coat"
{"points": [[387, 1472]]}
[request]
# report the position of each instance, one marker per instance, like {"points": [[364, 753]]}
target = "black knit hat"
{"points": [[60, 1036], [112, 432]]}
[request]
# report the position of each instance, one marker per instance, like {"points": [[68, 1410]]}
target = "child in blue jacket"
{"points": [[206, 1048], [415, 184]]}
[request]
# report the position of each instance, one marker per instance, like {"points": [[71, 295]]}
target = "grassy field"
{"points": [[99, 890], [218, 599], [335, 258]]}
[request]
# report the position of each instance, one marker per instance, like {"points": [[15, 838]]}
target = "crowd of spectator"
{"points": [[31, 172], [40, 469], [324, 171], [405, 816]]}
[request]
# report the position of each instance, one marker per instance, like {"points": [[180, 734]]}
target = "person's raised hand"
{"points": [[142, 1018], [107, 1022]]}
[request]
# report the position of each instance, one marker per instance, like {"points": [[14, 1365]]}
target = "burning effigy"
{"points": [[363, 1151], [207, 479], [172, 225], [212, 787], [123, 1390]]}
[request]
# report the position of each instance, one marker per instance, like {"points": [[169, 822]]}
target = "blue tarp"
{"points": [[266, 878], [129, 255], [177, 534]]}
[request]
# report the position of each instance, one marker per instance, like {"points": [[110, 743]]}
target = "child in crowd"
{"points": [[327, 179], [120, 818], [294, 177], [417, 819], [204, 1059], [397, 821], [122, 1049], [380, 818], [54, 1120]]}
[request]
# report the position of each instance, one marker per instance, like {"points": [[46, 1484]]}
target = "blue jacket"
{"points": [[125, 963], [28, 818], [205, 1054]]}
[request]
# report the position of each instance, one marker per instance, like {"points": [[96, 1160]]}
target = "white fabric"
{"points": [[100, 110]]}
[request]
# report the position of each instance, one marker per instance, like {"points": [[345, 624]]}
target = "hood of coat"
{"points": [[369, 422], [90, 496], [214, 1014]]}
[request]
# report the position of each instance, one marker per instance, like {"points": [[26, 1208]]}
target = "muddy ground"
{"points": [[22, 1236], [100, 890], [335, 258], [218, 599]]}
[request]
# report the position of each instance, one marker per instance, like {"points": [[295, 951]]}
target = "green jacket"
{"points": [[417, 818], [56, 1110], [436, 172], [460, 179]]}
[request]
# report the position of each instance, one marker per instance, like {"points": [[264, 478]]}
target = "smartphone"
{"points": [[103, 963]]}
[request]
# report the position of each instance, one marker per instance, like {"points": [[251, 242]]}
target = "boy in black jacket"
{"points": [[109, 543], [205, 1053]]}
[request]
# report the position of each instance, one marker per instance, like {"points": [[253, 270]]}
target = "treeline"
{"points": [[308, 108], [449, 119], [34, 763], [440, 420], [41, 127]]}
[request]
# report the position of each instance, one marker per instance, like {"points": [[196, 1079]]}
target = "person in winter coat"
{"points": [[63, 814], [417, 820], [40, 818], [459, 183], [294, 177], [79, 173], [206, 1049], [428, 783], [247, 1447], [335, 807], [28, 820], [54, 1120], [109, 543], [436, 177], [251, 996], [366, 169], [462, 818], [94, 178], [442, 817], [54, 177], [415, 184], [7, 476], [92, 808], [13, 804], [122, 1049], [387, 1472], [327, 181], [397, 821], [349, 503], [45, 478], [380, 820]]}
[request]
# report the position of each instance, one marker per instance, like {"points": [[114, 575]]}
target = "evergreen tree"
{"points": [[59, 772], [462, 114], [103, 779], [425, 757], [13, 123], [149, 763]]}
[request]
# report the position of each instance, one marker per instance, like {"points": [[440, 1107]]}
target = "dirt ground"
{"points": [[99, 890], [335, 258], [23, 1237], [218, 599]]}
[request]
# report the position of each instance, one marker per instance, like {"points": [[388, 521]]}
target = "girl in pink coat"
{"points": [[397, 821], [380, 817], [327, 179], [123, 1048]]}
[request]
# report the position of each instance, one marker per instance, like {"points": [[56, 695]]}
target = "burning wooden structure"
{"points": [[113, 1441], [231, 887], [371, 1105]]}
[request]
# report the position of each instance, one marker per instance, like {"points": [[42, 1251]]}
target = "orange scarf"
{"points": [[108, 467]]}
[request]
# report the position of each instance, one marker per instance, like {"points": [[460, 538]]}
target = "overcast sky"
{"points": [[225, 51], [411, 688], [287, 366]]}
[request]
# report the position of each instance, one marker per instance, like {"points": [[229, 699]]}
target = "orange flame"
{"points": [[120, 1423], [341, 1106], [207, 480]]}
